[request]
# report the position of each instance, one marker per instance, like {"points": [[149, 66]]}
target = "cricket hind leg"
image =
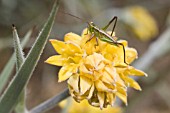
{"points": [[124, 55], [113, 19]]}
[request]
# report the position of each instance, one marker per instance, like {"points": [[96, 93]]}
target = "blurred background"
{"points": [[145, 24]]}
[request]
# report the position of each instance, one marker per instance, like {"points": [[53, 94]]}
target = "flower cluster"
{"points": [[70, 106], [141, 22], [96, 73]]}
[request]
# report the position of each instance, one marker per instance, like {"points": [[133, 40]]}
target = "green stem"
{"points": [[51, 103]]}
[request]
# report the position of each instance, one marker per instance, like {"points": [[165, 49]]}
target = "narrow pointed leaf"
{"points": [[6, 72], [20, 107], [18, 49], [10, 96]]}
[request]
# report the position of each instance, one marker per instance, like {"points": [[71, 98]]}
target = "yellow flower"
{"points": [[141, 22], [95, 72], [84, 107]]}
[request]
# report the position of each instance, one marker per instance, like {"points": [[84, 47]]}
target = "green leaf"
{"points": [[20, 107], [18, 49], [6, 72], [11, 94]]}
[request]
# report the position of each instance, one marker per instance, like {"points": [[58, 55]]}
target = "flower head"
{"points": [[95, 72], [84, 107], [141, 22]]}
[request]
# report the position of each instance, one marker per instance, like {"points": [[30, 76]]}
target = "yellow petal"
{"points": [[85, 72], [95, 104], [111, 71], [83, 69], [94, 60], [85, 84], [114, 53], [100, 66], [122, 97], [90, 60], [76, 59], [71, 90], [72, 37], [100, 86], [73, 48], [111, 98], [111, 87], [108, 56], [124, 42], [59, 46], [107, 78], [66, 71], [79, 98], [90, 76], [96, 75], [120, 82], [91, 92], [131, 55], [132, 83], [74, 82], [101, 97], [57, 60], [132, 71], [97, 59], [122, 90]]}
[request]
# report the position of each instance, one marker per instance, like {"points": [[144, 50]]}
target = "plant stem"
{"points": [[50, 103]]}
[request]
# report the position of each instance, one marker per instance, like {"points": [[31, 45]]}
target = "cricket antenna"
{"points": [[73, 16]]}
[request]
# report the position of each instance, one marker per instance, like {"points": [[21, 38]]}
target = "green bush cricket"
{"points": [[101, 34]]}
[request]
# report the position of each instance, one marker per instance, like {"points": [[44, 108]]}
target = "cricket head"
{"points": [[91, 24]]}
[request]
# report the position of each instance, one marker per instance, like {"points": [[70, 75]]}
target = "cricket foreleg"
{"points": [[97, 42], [90, 38]]}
